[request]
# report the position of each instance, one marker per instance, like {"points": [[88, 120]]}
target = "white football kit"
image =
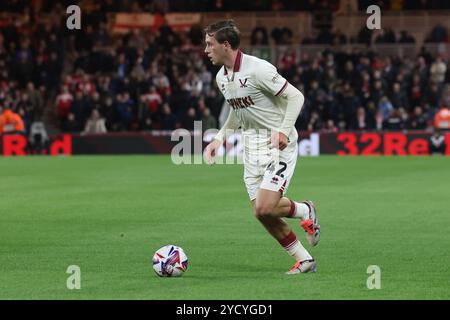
{"points": [[258, 98]]}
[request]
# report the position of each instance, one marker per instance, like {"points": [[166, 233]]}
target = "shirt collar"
{"points": [[237, 63]]}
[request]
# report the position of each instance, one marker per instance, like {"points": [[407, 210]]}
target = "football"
{"points": [[170, 261]]}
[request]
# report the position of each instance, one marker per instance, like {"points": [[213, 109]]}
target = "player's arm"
{"points": [[270, 81], [295, 100], [230, 124]]}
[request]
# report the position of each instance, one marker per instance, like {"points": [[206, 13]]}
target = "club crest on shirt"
{"points": [[223, 87], [243, 83]]}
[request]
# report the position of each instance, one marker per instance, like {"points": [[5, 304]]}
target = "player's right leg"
{"points": [[265, 201], [277, 177]]}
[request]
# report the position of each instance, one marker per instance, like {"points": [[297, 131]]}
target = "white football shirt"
{"points": [[253, 90]]}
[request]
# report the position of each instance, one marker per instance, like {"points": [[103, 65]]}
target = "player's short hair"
{"points": [[225, 30]]}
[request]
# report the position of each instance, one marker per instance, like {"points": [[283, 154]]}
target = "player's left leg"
{"points": [[277, 177], [305, 211], [265, 203]]}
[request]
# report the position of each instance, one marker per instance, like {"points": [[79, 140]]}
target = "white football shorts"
{"points": [[271, 171]]}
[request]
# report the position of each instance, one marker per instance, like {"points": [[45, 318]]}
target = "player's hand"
{"points": [[211, 151], [279, 140]]}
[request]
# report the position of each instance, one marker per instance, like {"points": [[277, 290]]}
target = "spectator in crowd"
{"points": [[377, 92], [282, 36], [208, 121], [436, 143], [147, 124], [433, 96], [206, 78], [385, 36], [64, 103], [259, 36], [80, 107], [398, 97], [125, 106], [405, 37], [168, 120], [152, 100], [339, 38], [329, 127], [38, 139], [69, 124], [287, 61], [36, 101], [438, 34], [11, 122], [379, 121], [418, 120], [437, 71], [416, 91], [315, 123], [350, 103], [361, 121], [188, 120], [95, 124], [110, 114], [364, 36], [442, 119], [385, 107], [394, 122]]}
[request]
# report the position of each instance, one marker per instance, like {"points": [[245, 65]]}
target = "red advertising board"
{"points": [[313, 144], [376, 143]]}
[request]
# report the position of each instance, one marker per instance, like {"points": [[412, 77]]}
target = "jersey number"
{"points": [[282, 169]]}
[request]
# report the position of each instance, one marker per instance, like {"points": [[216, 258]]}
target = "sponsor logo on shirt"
{"points": [[240, 103], [275, 78]]}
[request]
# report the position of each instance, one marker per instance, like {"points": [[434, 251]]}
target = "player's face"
{"points": [[214, 50]]}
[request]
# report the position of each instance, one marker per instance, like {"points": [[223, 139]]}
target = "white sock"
{"points": [[295, 249], [301, 211], [298, 252]]}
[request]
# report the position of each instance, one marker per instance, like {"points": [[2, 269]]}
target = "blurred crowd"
{"points": [[232, 5], [361, 90], [95, 81], [260, 36]]}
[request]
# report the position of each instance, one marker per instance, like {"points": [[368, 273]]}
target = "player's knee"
{"points": [[263, 211]]}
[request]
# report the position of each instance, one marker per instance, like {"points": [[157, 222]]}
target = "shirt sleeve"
{"points": [[268, 79], [219, 83], [232, 123]]}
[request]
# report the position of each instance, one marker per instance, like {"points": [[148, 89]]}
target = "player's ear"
{"points": [[226, 45]]}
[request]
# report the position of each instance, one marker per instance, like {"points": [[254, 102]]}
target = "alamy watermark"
{"points": [[254, 145], [374, 21], [74, 19], [374, 280], [74, 280]]}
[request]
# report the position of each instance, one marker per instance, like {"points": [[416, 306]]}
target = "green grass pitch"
{"points": [[109, 214]]}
